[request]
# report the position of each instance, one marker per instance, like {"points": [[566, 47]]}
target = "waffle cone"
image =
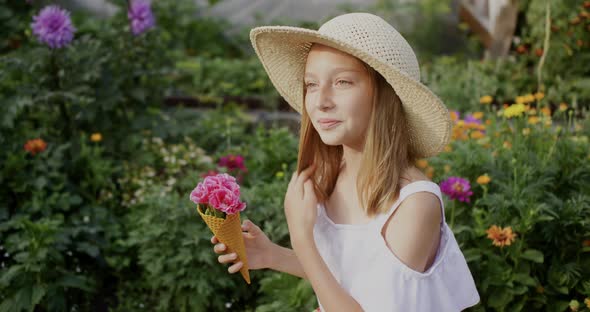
{"points": [[229, 232]]}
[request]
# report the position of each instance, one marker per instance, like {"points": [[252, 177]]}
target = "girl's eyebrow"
{"points": [[335, 71]]}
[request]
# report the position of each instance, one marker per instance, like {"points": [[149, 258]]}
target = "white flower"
{"points": [[86, 219]]}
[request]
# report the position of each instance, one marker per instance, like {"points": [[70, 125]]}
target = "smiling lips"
{"points": [[328, 123]]}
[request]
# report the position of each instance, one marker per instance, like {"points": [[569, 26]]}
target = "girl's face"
{"points": [[339, 96]]}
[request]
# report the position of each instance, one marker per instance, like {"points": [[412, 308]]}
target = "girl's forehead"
{"points": [[323, 58]]}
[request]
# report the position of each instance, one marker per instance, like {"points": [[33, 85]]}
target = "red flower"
{"points": [[35, 146], [209, 173]]}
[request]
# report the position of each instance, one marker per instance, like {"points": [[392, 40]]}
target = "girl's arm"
{"points": [[332, 296], [284, 260]]}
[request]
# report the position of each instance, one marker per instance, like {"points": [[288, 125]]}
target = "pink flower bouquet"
{"points": [[218, 203]]}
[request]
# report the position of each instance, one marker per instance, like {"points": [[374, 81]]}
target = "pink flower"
{"points": [[220, 192]]}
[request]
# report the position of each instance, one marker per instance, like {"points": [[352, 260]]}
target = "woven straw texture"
{"points": [[229, 232], [283, 51]]}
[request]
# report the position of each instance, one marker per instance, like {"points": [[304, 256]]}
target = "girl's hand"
{"points": [[258, 249], [301, 204]]}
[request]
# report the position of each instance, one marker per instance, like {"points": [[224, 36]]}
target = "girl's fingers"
{"points": [[305, 174], [227, 258], [308, 188], [219, 248], [214, 240], [235, 268]]}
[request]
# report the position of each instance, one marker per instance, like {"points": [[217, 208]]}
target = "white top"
{"points": [[358, 257]]}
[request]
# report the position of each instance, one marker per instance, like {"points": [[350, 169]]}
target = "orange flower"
{"points": [[501, 236], [478, 115], [35, 146], [486, 99], [533, 120], [454, 116], [477, 135], [507, 145], [562, 107], [483, 179], [96, 137], [546, 111], [539, 95], [586, 243], [488, 122], [587, 302], [430, 172], [421, 163]]}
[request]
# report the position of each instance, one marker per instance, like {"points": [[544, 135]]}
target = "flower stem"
{"points": [[453, 214]]}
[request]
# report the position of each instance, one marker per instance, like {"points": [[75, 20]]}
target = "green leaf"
{"points": [[10, 274], [500, 298], [524, 279], [472, 255], [38, 293], [533, 255]]}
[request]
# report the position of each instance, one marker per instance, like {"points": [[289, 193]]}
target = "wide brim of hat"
{"points": [[283, 50]]}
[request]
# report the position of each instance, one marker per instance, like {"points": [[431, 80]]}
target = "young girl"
{"points": [[368, 228]]}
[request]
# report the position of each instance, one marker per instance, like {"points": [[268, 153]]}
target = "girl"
{"points": [[368, 229]]}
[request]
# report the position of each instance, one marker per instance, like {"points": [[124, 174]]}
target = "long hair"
{"points": [[386, 152]]}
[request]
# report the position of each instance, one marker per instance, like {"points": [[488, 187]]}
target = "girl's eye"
{"points": [[309, 84], [344, 82]]}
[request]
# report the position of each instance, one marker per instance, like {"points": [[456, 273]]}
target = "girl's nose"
{"points": [[324, 100]]}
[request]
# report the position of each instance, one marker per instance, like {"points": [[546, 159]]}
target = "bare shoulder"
{"points": [[413, 231]]}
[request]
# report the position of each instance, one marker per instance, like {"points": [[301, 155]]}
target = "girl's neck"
{"points": [[351, 162]]}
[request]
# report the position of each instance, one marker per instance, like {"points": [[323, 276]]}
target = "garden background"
{"points": [[107, 125]]}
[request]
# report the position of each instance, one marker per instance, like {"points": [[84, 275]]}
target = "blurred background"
{"points": [[112, 111]]}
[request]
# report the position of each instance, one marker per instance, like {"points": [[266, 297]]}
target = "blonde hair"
{"points": [[386, 153]]}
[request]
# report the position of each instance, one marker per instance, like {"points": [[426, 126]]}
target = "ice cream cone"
{"points": [[229, 232]]}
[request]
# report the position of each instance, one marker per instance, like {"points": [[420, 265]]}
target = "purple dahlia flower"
{"points": [[53, 27], [457, 188], [140, 16]]}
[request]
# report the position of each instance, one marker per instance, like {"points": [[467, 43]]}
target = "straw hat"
{"points": [[283, 53]]}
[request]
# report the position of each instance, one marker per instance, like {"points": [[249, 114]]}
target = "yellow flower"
{"points": [[483, 179], [501, 236], [520, 99], [514, 110], [448, 148], [526, 131], [447, 168], [460, 123], [486, 99], [478, 115], [532, 111], [454, 116], [539, 95], [562, 107], [280, 174], [421, 163], [587, 302], [507, 145], [96, 137], [533, 120], [546, 111]]}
